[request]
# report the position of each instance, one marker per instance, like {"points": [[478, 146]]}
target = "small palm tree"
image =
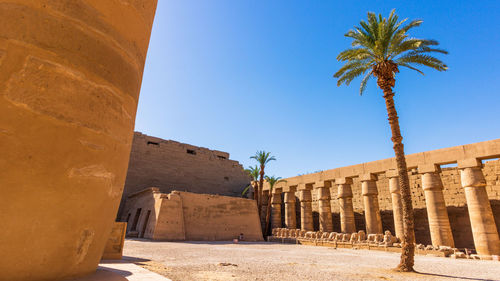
{"points": [[254, 172], [263, 158], [380, 47], [272, 181]]}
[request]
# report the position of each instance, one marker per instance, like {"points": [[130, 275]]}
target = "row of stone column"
{"points": [[484, 230]]}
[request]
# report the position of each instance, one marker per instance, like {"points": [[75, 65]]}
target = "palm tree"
{"points": [[263, 158], [254, 172], [272, 181], [379, 47]]}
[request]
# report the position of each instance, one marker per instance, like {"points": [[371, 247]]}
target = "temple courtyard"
{"points": [[272, 261]]}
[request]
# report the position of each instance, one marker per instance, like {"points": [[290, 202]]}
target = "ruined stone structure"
{"points": [[190, 216], [70, 76], [454, 206], [170, 165]]}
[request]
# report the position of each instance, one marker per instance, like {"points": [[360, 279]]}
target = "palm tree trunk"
{"points": [[385, 73], [255, 192], [268, 213], [261, 185]]}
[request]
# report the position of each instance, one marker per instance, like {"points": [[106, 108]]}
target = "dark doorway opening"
{"points": [[145, 224]]}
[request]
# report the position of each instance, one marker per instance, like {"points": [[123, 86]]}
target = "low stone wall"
{"points": [[190, 216]]}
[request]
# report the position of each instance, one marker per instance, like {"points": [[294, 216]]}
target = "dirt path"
{"points": [[273, 262]]}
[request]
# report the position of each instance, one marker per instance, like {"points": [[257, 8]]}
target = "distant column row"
{"points": [[483, 226]]}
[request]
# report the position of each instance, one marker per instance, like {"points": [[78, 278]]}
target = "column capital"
{"points": [[323, 193], [369, 187], [469, 163], [344, 191], [392, 173], [428, 168], [472, 177], [343, 181], [431, 181], [305, 195], [290, 188], [289, 197], [368, 177]]}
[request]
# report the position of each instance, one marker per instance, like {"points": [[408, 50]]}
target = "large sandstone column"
{"points": [[397, 205], [290, 213], [276, 209], [484, 230], [70, 76], [347, 224], [439, 223], [325, 210], [370, 201], [306, 217]]}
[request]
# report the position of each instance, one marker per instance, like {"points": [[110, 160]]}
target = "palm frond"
{"points": [[380, 40]]}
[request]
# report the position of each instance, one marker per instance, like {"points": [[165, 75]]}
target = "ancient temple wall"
{"points": [[191, 216], [171, 165], [453, 192]]}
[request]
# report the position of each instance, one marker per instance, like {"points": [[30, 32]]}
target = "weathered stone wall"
{"points": [[453, 194], [170, 165], [191, 216]]}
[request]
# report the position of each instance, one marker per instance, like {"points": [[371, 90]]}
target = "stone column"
{"points": [[439, 223], [276, 209], [325, 210], [290, 213], [347, 224], [306, 217], [370, 201], [397, 205], [484, 230], [71, 75]]}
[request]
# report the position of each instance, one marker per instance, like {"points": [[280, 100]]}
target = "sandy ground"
{"points": [[270, 261]]}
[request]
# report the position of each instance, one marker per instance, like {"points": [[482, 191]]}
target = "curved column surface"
{"points": [[290, 213], [70, 78], [325, 210], [347, 223], [439, 223], [370, 202], [276, 211], [397, 206], [306, 218], [484, 230]]}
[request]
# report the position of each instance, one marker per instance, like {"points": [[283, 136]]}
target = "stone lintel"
{"points": [[277, 190], [392, 173], [303, 186], [428, 168], [343, 181], [469, 163], [368, 177], [323, 183]]}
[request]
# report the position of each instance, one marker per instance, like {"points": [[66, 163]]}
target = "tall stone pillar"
{"points": [[70, 77], [290, 212], [370, 201], [439, 223], [306, 217], [325, 210], [276, 209], [347, 224], [397, 205], [484, 230]]}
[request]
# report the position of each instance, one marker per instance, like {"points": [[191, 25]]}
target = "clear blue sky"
{"points": [[241, 76]]}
